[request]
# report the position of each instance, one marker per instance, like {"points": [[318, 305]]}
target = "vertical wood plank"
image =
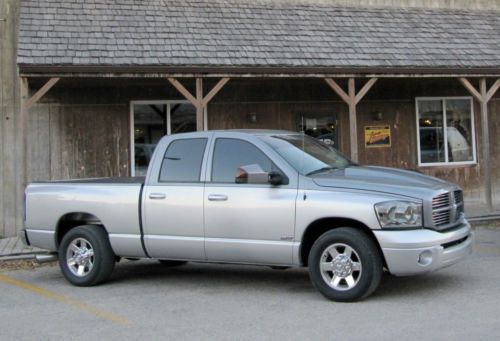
{"points": [[54, 141], [43, 143]]}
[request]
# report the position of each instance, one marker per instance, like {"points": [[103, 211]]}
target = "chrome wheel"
{"points": [[80, 257], [340, 267]]}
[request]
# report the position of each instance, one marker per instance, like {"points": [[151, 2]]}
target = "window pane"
{"points": [[231, 154], [430, 124], [182, 161], [149, 128], [459, 130], [182, 118]]}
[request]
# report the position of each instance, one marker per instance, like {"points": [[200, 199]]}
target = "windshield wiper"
{"points": [[321, 170]]}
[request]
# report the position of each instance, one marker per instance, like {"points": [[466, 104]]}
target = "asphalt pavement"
{"points": [[146, 300]]}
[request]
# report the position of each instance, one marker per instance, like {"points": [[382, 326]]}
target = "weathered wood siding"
{"points": [[77, 141], [11, 132], [277, 101], [81, 128]]}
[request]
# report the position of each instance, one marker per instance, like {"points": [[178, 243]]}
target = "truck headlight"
{"points": [[399, 214]]}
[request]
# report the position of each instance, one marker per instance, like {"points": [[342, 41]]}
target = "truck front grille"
{"points": [[447, 209]]}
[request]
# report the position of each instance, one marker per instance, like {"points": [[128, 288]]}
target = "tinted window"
{"points": [[182, 161], [230, 154]]}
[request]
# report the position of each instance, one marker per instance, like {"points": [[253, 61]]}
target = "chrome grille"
{"points": [[447, 209], [442, 200], [459, 197]]}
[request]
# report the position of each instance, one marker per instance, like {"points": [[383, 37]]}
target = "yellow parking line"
{"points": [[63, 299]]}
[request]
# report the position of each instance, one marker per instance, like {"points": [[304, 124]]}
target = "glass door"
{"points": [[150, 121]]}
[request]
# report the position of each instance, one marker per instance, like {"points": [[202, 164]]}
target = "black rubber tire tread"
{"points": [[104, 257], [167, 262], [369, 256]]}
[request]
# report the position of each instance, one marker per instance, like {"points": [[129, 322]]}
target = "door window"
{"points": [[231, 154], [182, 161]]}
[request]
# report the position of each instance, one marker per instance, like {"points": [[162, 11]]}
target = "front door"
{"points": [[247, 223]]}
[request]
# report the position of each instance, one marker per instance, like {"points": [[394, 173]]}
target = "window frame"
{"points": [[443, 99], [169, 104], [200, 174], [212, 157]]}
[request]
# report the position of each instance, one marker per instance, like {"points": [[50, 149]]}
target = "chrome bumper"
{"points": [[420, 251]]}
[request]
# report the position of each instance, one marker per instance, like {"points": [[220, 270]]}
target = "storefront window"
{"points": [[151, 121], [322, 126], [445, 131]]}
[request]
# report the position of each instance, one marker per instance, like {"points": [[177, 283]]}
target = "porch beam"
{"points": [[199, 101], [365, 89], [40, 93], [215, 90], [338, 90], [472, 90], [185, 92], [483, 96], [352, 99], [493, 90]]}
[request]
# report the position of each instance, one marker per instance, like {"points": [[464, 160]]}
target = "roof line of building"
{"points": [[156, 71]]}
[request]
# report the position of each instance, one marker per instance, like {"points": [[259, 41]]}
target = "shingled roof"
{"points": [[79, 35]]}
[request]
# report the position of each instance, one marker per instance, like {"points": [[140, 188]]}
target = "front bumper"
{"points": [[420, 251]]}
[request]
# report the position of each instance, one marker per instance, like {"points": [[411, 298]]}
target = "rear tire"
{"points": [[85, 255], [345, 265]]}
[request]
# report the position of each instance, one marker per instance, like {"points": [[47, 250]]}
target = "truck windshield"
{"points": [[306, 154]]}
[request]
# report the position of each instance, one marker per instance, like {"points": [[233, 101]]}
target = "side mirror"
{"points": [[276, 178], [254, 174]]}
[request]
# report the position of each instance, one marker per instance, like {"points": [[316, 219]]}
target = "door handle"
{"points": [[217, 197], [157, 196]]}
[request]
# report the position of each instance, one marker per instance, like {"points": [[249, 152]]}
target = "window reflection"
{"points": [[445, 123]]}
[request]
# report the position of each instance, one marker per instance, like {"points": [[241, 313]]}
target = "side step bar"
{"points": [[47, 258]]}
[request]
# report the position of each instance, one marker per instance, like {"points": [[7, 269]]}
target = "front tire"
{"points": [[85, 256], [345, 265]]}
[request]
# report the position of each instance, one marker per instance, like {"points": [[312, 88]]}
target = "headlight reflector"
{"points": [[399, 214]]}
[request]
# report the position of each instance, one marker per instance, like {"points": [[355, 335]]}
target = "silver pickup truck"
{"points": [[272, 198]]}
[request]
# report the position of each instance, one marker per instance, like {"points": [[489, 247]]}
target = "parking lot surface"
{"points": [[147, 300]]}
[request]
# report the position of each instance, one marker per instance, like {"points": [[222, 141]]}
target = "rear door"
{"points": [[247, 223], [173, 199]]}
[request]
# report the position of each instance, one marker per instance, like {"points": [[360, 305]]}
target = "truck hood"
{"points": [[384, 180]]}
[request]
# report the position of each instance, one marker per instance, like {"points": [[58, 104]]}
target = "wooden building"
{"points": [[99, 82]]}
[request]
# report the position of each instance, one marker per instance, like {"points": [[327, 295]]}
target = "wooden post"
{"points": [[351, 99], [486, 145], [199, 106], [353, 125], [199, 101], [483, 96]]}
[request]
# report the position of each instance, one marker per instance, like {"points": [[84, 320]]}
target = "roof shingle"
{"points": [[235, 33]]}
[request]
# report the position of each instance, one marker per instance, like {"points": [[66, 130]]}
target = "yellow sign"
{"points": [[377, 136]]}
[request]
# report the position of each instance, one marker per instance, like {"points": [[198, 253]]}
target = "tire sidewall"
{"points": [[102, 253], [368, 256]]}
